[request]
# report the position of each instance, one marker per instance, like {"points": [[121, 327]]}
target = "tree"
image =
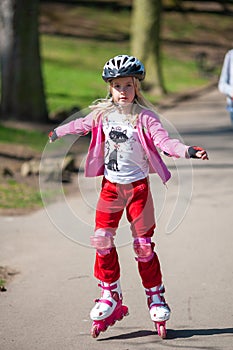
{"points": [[146, 38], [22, 91]]}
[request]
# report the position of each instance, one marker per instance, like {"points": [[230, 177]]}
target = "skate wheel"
{"points": [[162, 332], [125, 310], [95, 331]]}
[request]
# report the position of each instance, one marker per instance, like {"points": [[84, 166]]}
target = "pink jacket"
{"points": [[151, 135]]}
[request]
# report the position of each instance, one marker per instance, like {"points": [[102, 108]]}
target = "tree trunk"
{"points": [[145, 38], [22, 91]]}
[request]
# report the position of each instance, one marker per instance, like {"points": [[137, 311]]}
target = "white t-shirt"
{"points": [[125, 158]]}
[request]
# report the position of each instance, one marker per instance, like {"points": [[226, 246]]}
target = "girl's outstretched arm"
{"points": [[79, 126]]}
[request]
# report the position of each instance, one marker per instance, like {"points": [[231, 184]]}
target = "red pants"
{"points": [[136, 198]]}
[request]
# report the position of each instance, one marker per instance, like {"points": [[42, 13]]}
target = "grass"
{"points": [[14, 194], [18, 195], [33, 139], [72, 70], [182, 75], [2, 285], [73, 64]]}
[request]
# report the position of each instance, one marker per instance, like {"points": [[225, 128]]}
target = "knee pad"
{"points": [[102, 241], [143, 249]]}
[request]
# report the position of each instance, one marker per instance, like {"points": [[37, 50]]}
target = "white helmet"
{"points": [[123, 66]]}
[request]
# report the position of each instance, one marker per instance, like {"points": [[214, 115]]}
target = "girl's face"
{"points": [[122, 90]]}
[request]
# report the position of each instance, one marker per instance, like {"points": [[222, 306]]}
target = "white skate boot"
{"points": [[159, 309], [108, 309]]}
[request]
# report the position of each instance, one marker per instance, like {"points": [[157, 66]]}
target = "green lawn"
{"points": [[19, 195], [33, 139], [90, 35], [72, 71]]}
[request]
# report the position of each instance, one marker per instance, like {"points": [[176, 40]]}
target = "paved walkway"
{"points": [[47, 305]]}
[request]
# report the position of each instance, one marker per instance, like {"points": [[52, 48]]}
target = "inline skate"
{"points": [[159, 309], [108, 309]]}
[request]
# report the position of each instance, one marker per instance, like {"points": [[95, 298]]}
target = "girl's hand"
{"points": [[52, 136], [197, 152]]}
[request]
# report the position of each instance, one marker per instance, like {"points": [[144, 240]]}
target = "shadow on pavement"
{"points": [[137, 334], [172, 333], [189, 333]]}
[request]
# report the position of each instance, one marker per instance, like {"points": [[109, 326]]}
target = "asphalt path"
{"points": [[47, 304]]}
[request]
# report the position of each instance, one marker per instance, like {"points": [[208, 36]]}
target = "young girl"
{"points": [[225, 83], [126, 133]]}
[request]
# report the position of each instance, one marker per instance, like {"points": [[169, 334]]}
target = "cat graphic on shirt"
{"points": [[117, 137]]}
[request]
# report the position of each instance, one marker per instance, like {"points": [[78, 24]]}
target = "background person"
{"points": [[225, 84]]}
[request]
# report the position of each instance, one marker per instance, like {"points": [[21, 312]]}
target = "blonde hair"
{"points": [[140, 99], [106, 105]]}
